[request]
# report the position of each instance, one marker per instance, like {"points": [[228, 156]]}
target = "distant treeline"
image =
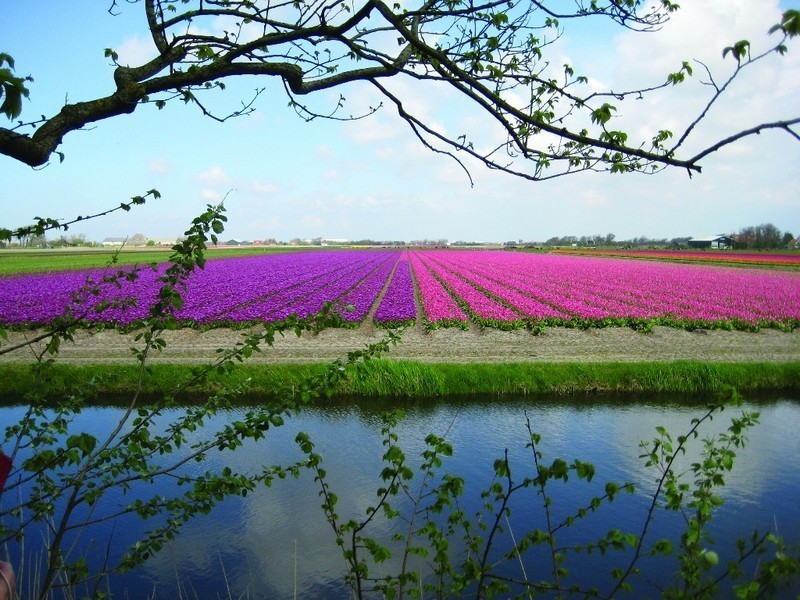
{"points": [[762, 236], [757, 237]]}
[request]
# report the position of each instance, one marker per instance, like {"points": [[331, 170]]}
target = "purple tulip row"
{"points": [[544, 286], [266, 288], [231, 289], [398, 303], [91, 295], [308, 294], [360, 300]]}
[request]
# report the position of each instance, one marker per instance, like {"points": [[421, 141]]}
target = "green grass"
{"points": [[414, 380], [13, 262]]}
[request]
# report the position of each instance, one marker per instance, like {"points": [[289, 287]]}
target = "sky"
{"points": [[285, 178]]}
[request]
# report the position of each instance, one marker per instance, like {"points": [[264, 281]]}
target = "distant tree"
{"points": [[770, 236], [746, 237], [787, 238], [760, 237], [69, 240], [494, 54], [37, 241], [679, 242], [33, 240]]}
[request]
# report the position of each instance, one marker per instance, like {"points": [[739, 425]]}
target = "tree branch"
{"points": [[785, 125], [490, 53]]}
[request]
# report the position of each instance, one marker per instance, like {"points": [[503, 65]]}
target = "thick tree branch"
{"points": [[491, 53], [784, 125]]}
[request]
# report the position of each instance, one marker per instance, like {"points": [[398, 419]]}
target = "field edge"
{"points": [[412, 380]]}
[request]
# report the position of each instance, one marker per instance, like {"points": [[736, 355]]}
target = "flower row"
{"points": [[504, 286]]}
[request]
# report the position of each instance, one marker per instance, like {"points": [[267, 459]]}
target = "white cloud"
{"points": [[214, 176], [333, 175], [372, 129], [250, 121], [263, 189], [162, 166], [210, 195], [592, 198], [698, 31], [136, 51], [313, 222]]}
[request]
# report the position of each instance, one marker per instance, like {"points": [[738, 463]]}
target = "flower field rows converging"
{"points": [[448, 287]]}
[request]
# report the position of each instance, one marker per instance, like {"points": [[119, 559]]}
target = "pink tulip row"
{"points": [[480, 304], [715, 256], [437, 304], [546, 286]]}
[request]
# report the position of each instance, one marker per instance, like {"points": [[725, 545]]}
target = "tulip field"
{"points": [[435, 287], [755, 258]]}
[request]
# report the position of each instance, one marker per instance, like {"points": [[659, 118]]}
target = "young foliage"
{"points": [[434, 548]]}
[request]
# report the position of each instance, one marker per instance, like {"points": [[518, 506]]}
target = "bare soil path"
{"points": [[615, 344]]}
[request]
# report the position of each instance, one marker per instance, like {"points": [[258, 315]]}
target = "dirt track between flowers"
{"points": [[663, 344]]}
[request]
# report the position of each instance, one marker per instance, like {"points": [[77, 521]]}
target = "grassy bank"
{"points": [[387, 379], [14, 262]]}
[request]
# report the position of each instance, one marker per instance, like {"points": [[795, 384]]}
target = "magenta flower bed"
{"points": [[547, 286], [437, 304], [451, 287]]}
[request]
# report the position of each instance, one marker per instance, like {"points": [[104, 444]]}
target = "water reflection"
{"points": [[275, 543]]}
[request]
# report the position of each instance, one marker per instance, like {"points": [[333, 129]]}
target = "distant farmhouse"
{"points": [[168, 242], [113, 241], [718, 242], [138, 240]]}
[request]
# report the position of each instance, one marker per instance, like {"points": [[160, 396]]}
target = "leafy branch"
{"points": [[43, 225], [493, 54]]}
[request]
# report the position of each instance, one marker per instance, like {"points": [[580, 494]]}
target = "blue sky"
{"points": [[286, 178]]}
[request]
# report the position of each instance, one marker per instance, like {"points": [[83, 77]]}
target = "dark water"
{"points": [[275, 543]]}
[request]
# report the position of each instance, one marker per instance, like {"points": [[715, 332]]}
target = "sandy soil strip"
{"points": [[616, 344]]}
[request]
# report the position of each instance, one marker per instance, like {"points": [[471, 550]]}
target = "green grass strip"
{"points": [[406, 379], [13, 262]]}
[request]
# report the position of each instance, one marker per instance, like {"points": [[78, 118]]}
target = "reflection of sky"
{"points": [[277, 538]]}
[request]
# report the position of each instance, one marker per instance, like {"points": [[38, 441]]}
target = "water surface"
{"points": [[276, 543]]}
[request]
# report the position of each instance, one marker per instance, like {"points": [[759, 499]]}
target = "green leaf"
{"points": [[6, 58], [739, 50], [12, 87], [499, 19], [789, 25], [602, 115]]}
